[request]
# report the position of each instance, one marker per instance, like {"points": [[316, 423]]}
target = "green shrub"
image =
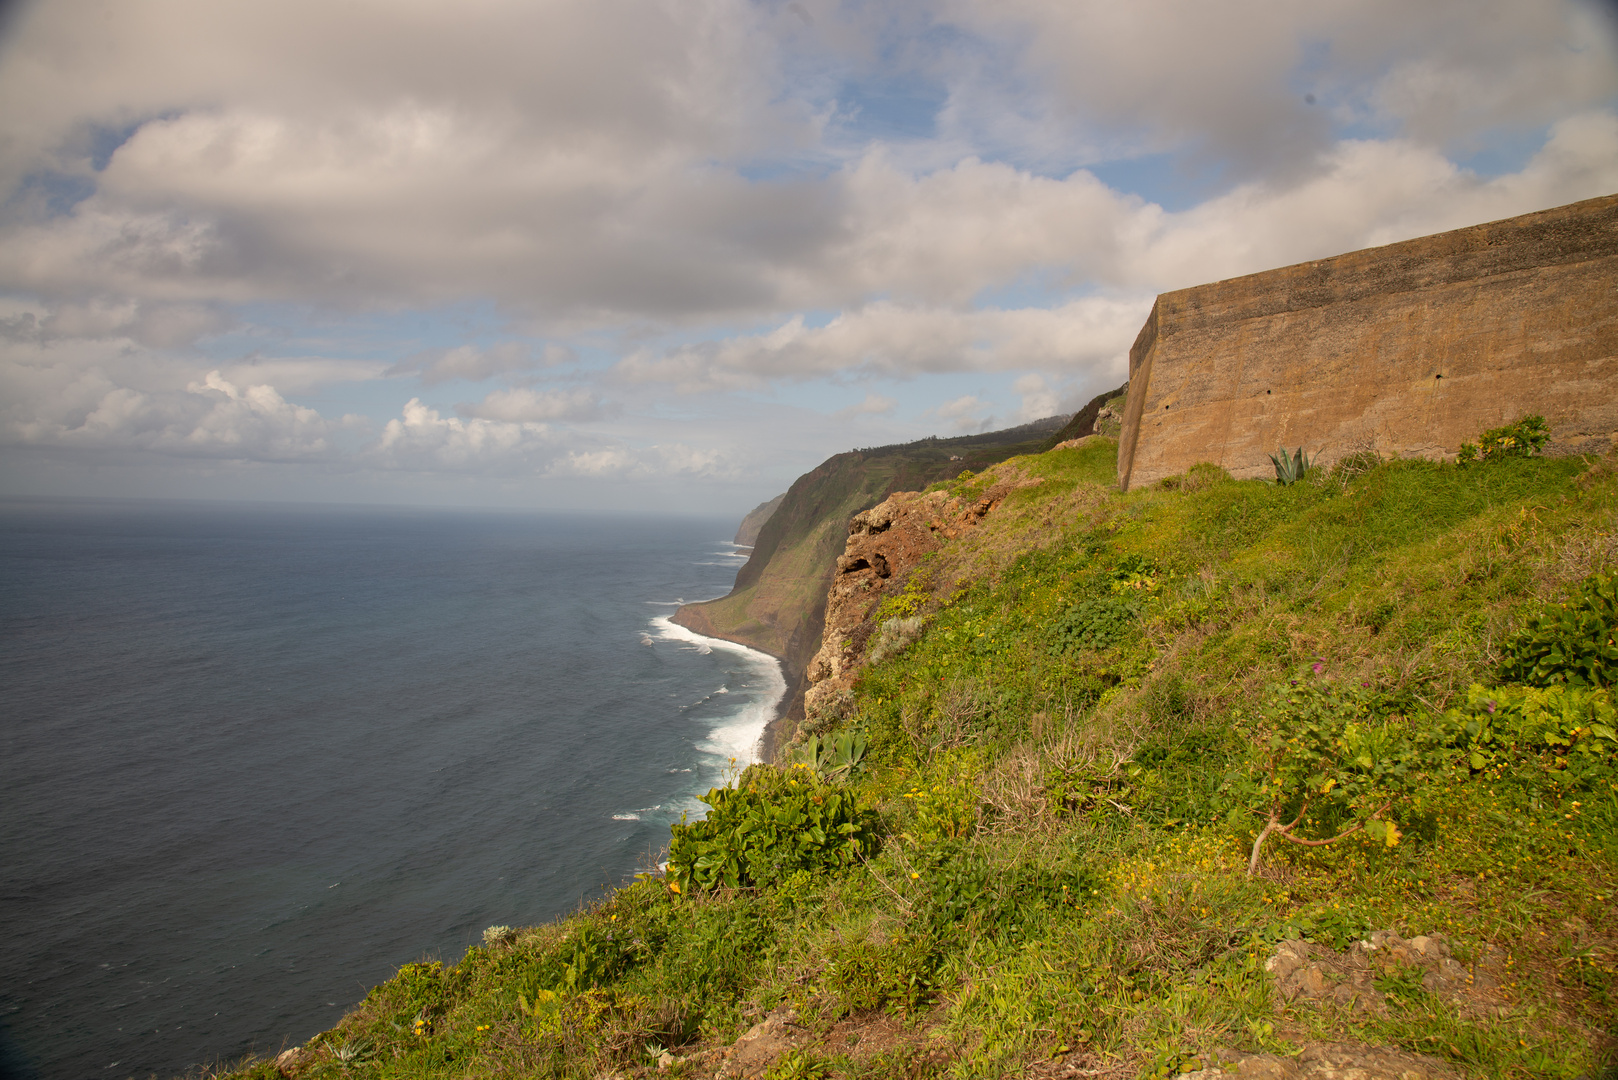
{"points": [[1568, 729], [864, 974], [1318, 747], [1097, 622], [771, 825], [1571, 642], [1525, 438]]}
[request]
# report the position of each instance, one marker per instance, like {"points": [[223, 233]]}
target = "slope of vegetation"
{"points": [[1032, 847], [779, 600]]}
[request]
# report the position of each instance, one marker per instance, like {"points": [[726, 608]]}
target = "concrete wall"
{"points": [[1409, 349]]}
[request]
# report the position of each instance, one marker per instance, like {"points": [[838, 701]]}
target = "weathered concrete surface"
{"points": [[1408, 349]]}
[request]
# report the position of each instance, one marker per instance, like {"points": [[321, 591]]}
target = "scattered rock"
{"points": [[288, 1060], [1304, 970], [756, 1051], [1331, 1061]]}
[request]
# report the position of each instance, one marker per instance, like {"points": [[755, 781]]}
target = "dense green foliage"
{"points": [[1030, 840], [1569, 642], [1523, 439], [771, 825]]}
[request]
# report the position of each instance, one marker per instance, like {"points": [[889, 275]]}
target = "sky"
{"points": [[667, 255]]}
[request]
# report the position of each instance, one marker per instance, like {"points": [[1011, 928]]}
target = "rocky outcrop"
{"points": [[885, 543], [778, 602], [1407, 350]]}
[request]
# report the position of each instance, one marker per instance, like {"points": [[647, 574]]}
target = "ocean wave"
{"points": [[734, 738], [626, 817]]}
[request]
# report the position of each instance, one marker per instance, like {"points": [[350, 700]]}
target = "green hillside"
{"points": [[778, 602], [1028, 850]]}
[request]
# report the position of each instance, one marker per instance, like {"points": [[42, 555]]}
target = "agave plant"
{"points": [[1289, 470], [832, 759]]}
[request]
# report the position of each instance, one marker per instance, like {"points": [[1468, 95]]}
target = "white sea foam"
{"points": [[626, 817], [735, 738]]}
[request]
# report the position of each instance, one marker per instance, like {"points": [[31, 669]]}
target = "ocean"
{"points": [[256, 757]]}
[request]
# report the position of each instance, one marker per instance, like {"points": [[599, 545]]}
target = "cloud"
{"points": [[660, 461], [212, 418], [968, 414], [1235, 79], [524, 404], [886, 339], [475, 364], [421, 438], [1039, 400], [302, 374], [873, 405], [157, 325], [675, 177]]}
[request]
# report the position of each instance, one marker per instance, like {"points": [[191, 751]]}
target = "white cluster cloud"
{"points": [[889, 340], [210, 418], [524, 404]]}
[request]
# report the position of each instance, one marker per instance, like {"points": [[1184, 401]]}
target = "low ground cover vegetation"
{"points": [[1121, 747]]}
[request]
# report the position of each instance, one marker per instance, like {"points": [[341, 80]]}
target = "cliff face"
{"points": [[1408, 350], [885, 545], [747, 532], [778, 603]]}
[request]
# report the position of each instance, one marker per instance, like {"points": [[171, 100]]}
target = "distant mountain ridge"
{"points": [[778, 604]]}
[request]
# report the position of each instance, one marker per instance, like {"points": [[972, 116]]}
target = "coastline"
{"points": [[693, 619], [760, 742]]}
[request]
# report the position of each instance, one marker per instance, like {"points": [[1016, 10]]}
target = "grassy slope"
{"points": [[1061, 872], [778, 602]]}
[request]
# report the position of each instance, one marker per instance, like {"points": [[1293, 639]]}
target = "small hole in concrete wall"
{"points": [[1267, 391]]}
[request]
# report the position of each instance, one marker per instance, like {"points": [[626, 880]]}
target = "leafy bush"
{"points": [[1571, 642], [1317, 747], [1097, 622], [967, 895], [864, 973], [1573, 726], [771, 825], [1525, 438]]}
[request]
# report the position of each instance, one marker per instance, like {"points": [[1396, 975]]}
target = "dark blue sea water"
{"points": [[257, 757]]}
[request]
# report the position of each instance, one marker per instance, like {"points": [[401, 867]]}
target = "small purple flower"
{"points": [[1367, 682], [1317, 667], [1491, 706], [1294, 682]]}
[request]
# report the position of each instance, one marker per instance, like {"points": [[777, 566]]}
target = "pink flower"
{"points": [[1317, 667]]}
